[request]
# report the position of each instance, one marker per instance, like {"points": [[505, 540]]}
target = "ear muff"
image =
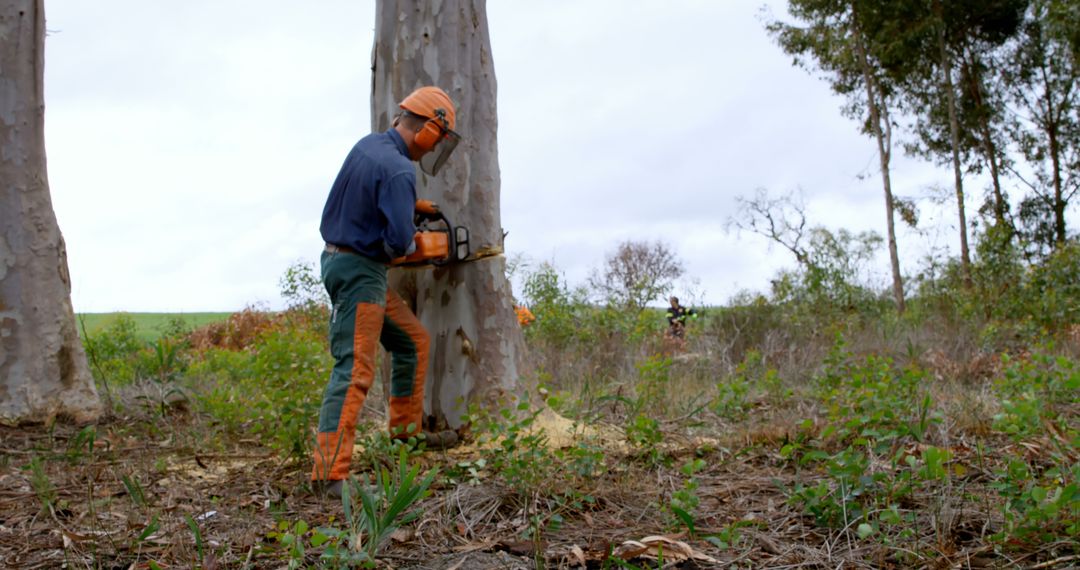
{"points": [[429, 135]]}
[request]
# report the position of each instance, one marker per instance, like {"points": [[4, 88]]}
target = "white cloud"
{"points": [[191, 145]]}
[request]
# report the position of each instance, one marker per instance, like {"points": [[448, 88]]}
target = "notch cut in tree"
{"points": [[477, 347], [43, 369]]}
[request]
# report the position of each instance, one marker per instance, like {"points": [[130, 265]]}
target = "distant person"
{"points": [[676, 317], [367, 223]]}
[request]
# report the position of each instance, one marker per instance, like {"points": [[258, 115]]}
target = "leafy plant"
{"points": [[197, 534], [1038, 508], [1031, 389], [870, 401], [134, 490], [386, 507], [41, 484], [685, 501], [82, 443], [114, 351], [729, 537], [272, 390]]}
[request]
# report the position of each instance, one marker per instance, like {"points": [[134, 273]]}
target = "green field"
{"points": [[149, 325]]}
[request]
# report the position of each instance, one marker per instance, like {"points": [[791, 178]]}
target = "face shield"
{"points": [[431, 162]]}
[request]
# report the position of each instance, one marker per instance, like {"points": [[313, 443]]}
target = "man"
{"points": [[676, 317], [367, 225]]}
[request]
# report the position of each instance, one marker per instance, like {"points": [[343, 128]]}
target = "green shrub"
{"points": [[833, 276], [273, 390], [872, 401], [514, 449], [559, 311], [1038, 508], [1032, 389], [113, 352]]}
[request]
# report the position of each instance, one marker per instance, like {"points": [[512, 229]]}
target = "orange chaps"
{"points": [[358, 324]]}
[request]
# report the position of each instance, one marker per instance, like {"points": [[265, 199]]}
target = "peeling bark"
{"points": [[477, 347], [43, 370]]}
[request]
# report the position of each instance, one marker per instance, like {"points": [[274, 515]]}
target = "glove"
{"points": [[426, 207], [408, 252]]}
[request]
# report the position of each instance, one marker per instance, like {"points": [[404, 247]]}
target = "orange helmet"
{"points": [[431, 103], [437, 133]]}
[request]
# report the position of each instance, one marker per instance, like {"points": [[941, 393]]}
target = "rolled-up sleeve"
{"points": [[397, 200]]}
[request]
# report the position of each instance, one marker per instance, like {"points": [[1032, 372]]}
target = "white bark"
{"points": [[477, 346], [43, 370]]}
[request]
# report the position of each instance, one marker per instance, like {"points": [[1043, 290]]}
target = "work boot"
{"points": [[330, 489], [440, 439]]}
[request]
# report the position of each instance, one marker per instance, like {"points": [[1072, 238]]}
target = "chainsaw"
{"points": [[438, 242]]}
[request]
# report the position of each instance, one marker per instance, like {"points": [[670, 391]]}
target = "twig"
{"points": [[1055, 562]]}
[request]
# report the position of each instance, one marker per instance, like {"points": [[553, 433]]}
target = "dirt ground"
{"points": [[150, 491]]}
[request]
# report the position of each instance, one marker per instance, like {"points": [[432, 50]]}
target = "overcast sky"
{"points": [[191, 144]]}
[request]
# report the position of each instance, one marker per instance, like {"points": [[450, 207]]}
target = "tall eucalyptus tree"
{"points": [[835, 38], [477, 347], [43, 369]]}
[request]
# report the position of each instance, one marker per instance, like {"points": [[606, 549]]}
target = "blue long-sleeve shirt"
{"points": [[372, 201]]}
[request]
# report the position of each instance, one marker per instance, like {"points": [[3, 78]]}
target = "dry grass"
{"points": [[66, 501]]}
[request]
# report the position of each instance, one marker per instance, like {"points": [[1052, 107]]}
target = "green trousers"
{"points": [[364, 314]]}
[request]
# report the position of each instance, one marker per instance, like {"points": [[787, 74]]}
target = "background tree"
{"points": [[477, 345], [1041, 77], [833, 267], [637, 273], [833, 36], [927, 41], [43, 370], [781, 220], [982, 28]]}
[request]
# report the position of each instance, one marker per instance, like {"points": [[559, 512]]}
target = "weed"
{"points": [[387, 506], [643, 429], [514, 449], [585, 460], [273, 390], [197, 534], [729, 537], [40, 483], [161, 362], [870, 401], [114, 351], [465, 472], [378, 444], [1038, 507], [685, 501], [148, 531], [1030, 391], [730, 402], [654, 383], [134, 490], [644, 434], [82, 443]]}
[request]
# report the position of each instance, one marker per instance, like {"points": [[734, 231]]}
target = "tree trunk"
{"points": [[43, 370], [1052, 125], [477, 347], [1060, 233], [954, 133], [970, 70], [879, 114]]}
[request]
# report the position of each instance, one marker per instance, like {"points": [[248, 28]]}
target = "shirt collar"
{"points": [[399, 142]]}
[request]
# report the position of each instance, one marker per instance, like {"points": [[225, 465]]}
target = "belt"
{"points": [[331, 248]]}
